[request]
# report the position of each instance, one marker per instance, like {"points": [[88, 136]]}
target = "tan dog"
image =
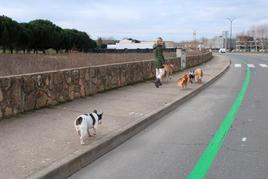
{"points": [[168, 70], [198, 75], [182, 82]]}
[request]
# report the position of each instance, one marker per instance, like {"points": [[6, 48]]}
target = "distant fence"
{"points": [[20, 93], [129, 50]]}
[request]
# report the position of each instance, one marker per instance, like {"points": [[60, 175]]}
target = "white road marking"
{"points": [[244, 139], [237, 65], [251, 65], [263, 65]]}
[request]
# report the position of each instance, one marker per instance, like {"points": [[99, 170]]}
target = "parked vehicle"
{"points": [[222, 50]]}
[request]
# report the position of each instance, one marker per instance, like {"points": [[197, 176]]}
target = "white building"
{"points": [[131, 44], [134, 44], [216, 42]]}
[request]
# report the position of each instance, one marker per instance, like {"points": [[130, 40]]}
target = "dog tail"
{"points": [[78, 121]]}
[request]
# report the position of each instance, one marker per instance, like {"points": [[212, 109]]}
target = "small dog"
{"points": [[83, 123], [182, 82], [196, 74], [191, 76], [168, 70]]}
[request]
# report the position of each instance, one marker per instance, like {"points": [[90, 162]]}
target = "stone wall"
{"points": [[20, 93]]}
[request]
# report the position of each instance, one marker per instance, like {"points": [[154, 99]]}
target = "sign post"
{"points": [[181, 53]]}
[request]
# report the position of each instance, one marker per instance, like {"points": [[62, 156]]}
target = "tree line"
{"points": [[41, 35], [255, 37], [258, 32]]}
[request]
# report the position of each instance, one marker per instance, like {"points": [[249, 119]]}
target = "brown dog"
{"points": [[168, 70], [182, 82], [198, 75]]}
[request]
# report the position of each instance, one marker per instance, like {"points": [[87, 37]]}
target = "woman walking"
{"points": [[159, 61]]}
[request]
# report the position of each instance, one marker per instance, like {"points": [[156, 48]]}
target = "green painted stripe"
{"points": [[206, 159]]}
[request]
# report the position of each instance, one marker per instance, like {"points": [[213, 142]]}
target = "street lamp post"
{"points": [[224, 34], [231, 28]]}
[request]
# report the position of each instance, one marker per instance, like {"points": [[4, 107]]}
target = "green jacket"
{"points": [[158, 56]]}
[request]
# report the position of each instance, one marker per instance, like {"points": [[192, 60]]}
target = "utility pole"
{"points": [[225, 34], [231, 28]]}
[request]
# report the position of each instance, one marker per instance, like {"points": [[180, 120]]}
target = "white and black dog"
{"points": [[191, 75], [83, 123]]}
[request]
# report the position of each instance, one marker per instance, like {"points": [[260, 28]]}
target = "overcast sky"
{"points": [[142, 19]]}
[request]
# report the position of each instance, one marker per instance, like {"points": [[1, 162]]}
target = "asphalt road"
{"points": [[244, 153], [170, 147]]}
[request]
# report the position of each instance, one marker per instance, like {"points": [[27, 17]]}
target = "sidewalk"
{"points": [[44, 143]]}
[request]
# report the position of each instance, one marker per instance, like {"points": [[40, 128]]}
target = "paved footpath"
{"points": [[44, 143]]}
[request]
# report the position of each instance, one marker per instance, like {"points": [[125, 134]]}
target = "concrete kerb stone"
{"points": [[87, 155]]}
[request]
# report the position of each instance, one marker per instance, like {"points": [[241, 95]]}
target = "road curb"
{"points": [[74, 162]]}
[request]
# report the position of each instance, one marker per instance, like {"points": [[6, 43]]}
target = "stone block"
{"points": [[41, 99], [8, 111], [29, 103], [5, 83], [1, 95], [28, 84], [58, 77]]}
